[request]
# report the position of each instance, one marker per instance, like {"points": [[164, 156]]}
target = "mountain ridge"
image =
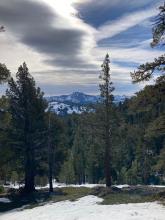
{"points": [[76, 102], [82, 98]]}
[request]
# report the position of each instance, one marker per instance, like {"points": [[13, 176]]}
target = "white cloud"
{"points": [[136, 54], [112, 3], [13, 53], [112, 28]]}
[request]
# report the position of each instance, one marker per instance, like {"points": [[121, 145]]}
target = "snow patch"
{"points": [[88, 208], [5, 200]]}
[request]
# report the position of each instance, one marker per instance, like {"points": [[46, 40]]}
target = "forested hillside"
{"points": [[111, 143], [82, 109], [137, 139], [138, 128]]}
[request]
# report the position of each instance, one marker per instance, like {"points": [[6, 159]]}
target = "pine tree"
{"points": [[67, 173], [27, 108], [78, 151], [4, 73], [145, 71], [55, 143], [106, 95], [5, 148], [50, 154], [159, 27]]}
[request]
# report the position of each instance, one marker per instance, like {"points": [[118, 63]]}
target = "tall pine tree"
{"points": [[106, 95], [27, 108]]}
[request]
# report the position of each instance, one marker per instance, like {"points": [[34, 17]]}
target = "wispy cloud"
{"points": [[62, 48], [110, 29]]}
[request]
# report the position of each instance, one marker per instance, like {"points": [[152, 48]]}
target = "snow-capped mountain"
{"points": [[76, 102], [75, 97], [64, 109], [120, 98]]}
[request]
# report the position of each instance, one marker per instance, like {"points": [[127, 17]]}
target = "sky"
{"points": [[64, 42]]}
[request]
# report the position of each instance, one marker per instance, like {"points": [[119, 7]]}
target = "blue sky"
{"points": [[64, 42]]}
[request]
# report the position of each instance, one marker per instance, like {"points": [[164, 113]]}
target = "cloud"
{"points": [[97, 12], [64, 51], [112, 3], [36, 25], [110, 29]]}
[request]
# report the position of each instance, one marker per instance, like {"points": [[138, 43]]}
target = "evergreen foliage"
{"points": [[106, 95], [145, 71], [27, 108], [113, 144], [78, 141], [4, 74]]}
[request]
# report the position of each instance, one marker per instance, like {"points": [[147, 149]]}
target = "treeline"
{"points": [[138, 144], [31, 136], [36, 145], [112, 144]]}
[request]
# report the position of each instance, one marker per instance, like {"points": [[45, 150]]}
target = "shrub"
{"points": [[2, 189]]}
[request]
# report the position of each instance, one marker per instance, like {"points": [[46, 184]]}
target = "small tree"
{"points": [[55, 139], [4, 74], [106, 89], [67, 173]]}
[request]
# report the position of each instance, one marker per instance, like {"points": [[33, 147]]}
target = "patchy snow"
{"points": [[61, 185], [88, 185], [64, 108], [157, 186], [5, 200], [88, 208], [14, 186], [122, 186]]}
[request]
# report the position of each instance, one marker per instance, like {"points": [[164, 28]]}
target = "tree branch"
{"points": [[145, 71]]}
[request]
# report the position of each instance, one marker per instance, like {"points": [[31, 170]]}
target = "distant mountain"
{"points": [[76, 102], [120, 98], [75, 97]]}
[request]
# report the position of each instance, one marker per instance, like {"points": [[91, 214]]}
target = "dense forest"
{"points": [[112, 143], [75, 142]]}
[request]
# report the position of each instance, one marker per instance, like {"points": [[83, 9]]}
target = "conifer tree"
{"points": [[78, 151], [106, 89], [50, 153], [27, 108], [4, 74], [55, 143], [145, 71]]}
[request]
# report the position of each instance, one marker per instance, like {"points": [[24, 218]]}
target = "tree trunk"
{"points": [[107, 142], [50, 169], [29, 171], [108, 161], [106, 93], [50, 157], [29, 153]]}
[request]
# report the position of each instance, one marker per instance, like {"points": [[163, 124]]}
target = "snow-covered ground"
{"points": [[69, 109], [5, 200], [88, 208], [61, 185]]}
